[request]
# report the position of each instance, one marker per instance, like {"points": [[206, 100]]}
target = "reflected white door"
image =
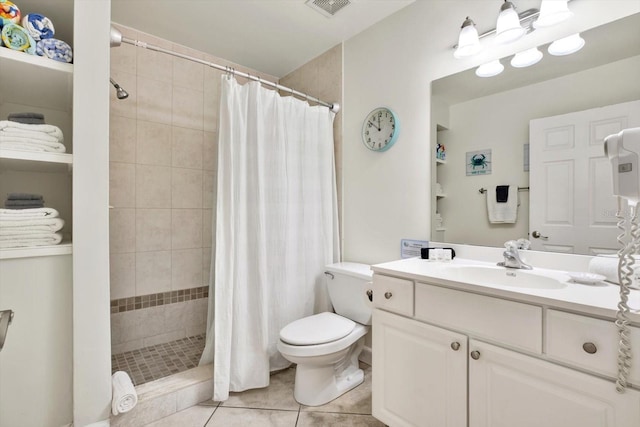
{"points": [[572, 208]]}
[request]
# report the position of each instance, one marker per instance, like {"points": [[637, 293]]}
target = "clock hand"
{"points": [[377, 127]]}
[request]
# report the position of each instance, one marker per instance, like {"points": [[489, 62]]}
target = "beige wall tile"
{"points": [[155, 65], [206, 266], [186, 228], [122, 230], [186, 188], [124, 107], [153, 229], [207, 227], [187, 108], [187, 73], [155, 100], [186, 269], [123, 275], [212, 79], [186, 148], [209, 187], [163, 338], [153, 186], [210, 151], [152, 321], [153, 144], [153, 272], [124, 57], [126, 346], [122, 185], [122, 139]]}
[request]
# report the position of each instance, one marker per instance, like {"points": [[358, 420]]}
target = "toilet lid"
{"points": [[317, 329]]}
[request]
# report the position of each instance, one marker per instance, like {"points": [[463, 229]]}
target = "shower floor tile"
{"points": [[159, 361]]}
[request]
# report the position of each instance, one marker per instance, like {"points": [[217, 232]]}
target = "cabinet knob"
{"points": [[475, 355], [455, 346], [388, 295], [589, 347]]}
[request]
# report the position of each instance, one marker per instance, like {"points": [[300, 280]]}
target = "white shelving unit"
{"points": [[43, 86]]}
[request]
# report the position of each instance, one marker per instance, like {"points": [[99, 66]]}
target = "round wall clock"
{"points": [[380, 129]]}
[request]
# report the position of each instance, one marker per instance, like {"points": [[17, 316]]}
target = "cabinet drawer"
{"points": [[507, 322], [567, 334], [392, 294]]}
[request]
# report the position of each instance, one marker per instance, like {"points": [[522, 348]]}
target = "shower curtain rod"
{"points": [[117, 39]]}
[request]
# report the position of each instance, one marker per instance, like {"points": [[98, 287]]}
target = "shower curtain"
{"points": [[276, 229]]}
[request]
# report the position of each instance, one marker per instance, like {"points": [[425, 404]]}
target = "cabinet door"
{"points": [[419, 379], [509, 389]]}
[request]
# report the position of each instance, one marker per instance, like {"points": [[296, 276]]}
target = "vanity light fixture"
{"points": [[508, 27], [552, 12], [566, 45], [526, 58], [490, 69], [468, 41]]}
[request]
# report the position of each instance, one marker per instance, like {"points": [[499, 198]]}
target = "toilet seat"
{"points": [[343, 343], [317, 329]]}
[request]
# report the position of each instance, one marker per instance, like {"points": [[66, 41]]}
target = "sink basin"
{"points": [[500, 276]]}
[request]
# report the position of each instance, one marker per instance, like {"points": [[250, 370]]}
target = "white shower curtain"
{"points": [[276, 228]]}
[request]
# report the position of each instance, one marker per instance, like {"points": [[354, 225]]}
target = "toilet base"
{"points": [[316, 385]]}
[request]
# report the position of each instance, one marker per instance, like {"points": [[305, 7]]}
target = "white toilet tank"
{"points": [[347, 283]]}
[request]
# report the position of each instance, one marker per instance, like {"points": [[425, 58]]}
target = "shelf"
{"points": [[54, 80], [35, 161], [441, 229], [38, 251], [441, 162], [441, 196]]}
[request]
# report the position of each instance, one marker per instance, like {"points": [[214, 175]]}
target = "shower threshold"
{"points": [[159, 361]]}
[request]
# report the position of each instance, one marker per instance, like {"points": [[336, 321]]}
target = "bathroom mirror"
{"points": [[475, 114]]}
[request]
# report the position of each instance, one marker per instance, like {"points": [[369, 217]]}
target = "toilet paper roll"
{"points": [[606, 265]]}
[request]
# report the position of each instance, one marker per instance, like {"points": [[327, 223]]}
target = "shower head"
{"points": [[120, 93]]}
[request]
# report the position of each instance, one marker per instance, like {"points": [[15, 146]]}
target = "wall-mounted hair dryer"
{"points": [[623, 150]]}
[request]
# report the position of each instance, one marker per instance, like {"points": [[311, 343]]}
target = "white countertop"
{"points": [[600, 299]]}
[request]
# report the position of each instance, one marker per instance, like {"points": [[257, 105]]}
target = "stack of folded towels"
{"points": [[32, 33], [15, 134], [27, 227]]}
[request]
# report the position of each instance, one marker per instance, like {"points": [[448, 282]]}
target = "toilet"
{"points": [[326, 346]]}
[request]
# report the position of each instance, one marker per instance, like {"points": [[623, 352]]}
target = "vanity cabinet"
{"points": [[462, 350]]}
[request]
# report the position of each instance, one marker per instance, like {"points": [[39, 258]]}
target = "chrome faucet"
{"points": [[512, 257]]}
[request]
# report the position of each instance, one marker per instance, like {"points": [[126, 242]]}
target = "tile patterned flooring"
{"points": [[274, 406], [158, 361]]}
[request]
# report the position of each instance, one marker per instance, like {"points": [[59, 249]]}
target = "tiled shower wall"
{"points": [[163, 147]]}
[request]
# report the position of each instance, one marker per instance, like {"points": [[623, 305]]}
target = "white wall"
{"points": [[493, 122], [386, 195]]}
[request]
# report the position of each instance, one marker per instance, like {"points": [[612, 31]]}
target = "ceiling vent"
{"points": [[327, 7]]}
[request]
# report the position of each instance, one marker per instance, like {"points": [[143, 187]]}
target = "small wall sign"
{"points": [[479, 162], [411, 248]]}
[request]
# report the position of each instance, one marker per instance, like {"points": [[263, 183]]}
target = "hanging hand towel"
{"points": [[124, 393], [502, 213], [39, 26]]}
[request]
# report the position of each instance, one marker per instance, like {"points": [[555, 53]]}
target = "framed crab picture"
{"points": [[478, 162]]}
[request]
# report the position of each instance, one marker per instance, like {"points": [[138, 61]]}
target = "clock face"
{"points": [[380, 129]]}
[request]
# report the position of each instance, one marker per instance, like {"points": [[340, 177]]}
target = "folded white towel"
{"points": [[51, 130], [501, 213], [123, 392], [10, 143], [29, 136], [27, 214], [27, 241], [44, 225]]}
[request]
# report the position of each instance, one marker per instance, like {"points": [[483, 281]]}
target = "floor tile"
{"points": [[355, 401], [279, 394], [322, 419], [196, 416], [242, 417]]}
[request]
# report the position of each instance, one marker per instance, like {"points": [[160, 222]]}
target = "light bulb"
{"points": [[508, 28], [566, 45], [552, 12], [468, 41], [526, 58], [490, 69]]}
